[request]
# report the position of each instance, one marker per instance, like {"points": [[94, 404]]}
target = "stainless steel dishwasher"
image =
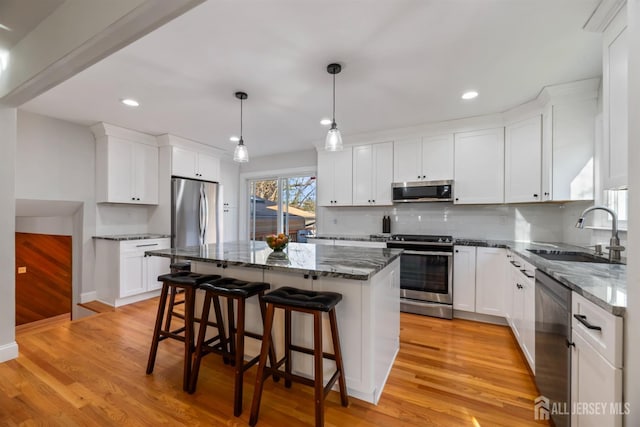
{"points": [[553, 342]]}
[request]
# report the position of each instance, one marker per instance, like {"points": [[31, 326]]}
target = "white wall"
{"points": [[632, 321], [296, 159], [8, 346], [512, 222]]}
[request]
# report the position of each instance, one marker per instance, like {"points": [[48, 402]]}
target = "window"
{"points": [[617, 201], [282, 205]]}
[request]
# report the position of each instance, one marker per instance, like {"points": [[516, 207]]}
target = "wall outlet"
{"points": [[22, 270]]}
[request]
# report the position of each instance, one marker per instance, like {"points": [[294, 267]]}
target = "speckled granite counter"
{"points": [[355, 237], [143, 236], [603, 284], [318, 260]]}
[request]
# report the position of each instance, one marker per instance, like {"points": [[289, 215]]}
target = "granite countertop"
{"points": [[319, 260], [142, 236], [603, 284], [354, 237]]}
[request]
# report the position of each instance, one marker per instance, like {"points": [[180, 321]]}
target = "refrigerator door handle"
{"points": [[202, 215], [206, 216]]}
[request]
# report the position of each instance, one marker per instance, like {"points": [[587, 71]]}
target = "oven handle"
{"points": [[449, 254]]}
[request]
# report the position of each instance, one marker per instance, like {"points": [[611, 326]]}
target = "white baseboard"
{"points": [[88, 297], [8, 351], [479, 317]]}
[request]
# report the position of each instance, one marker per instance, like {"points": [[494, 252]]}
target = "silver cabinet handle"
{"points": [[149, 244]]}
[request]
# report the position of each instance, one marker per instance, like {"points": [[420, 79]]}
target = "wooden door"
{"points": [[43, 276]]}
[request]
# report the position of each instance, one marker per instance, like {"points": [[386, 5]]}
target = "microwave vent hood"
{"points": [[422, 191]]}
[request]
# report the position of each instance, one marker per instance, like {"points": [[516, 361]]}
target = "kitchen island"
{"points": [[368, 315]]}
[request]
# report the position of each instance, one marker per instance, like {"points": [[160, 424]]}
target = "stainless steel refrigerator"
{"points": [[195, 215]]}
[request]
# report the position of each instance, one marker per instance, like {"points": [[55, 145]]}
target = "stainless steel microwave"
{"points": [[422, 191]]}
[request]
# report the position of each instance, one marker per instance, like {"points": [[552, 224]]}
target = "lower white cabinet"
{"points": [[596, 365], [522, 308], [479, 280], [123, 274]]}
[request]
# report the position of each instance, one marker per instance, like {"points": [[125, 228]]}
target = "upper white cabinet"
{"points": [[428, 159], [615, 102], [192, 164], [372, 174], [126, 166], [229, 179], [479, 167], [335, 179], [523, 161]]}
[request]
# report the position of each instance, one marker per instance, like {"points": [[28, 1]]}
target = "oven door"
{"points": [[426, 276]]}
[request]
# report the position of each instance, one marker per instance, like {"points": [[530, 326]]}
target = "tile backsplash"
{"points": [[523, 222]]}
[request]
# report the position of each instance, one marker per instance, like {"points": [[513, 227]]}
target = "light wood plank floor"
{"points": [[91, 372]]}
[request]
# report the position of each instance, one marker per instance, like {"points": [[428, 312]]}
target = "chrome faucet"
{"points": [[614, 243]]}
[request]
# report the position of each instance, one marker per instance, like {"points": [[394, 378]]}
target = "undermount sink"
{"points": [[570, 256]]}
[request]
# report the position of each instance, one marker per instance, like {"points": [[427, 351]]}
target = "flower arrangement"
{"points": [[277, 242]]}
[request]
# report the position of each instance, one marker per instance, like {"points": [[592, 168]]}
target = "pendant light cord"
{"points": [[334, 98], [241, 120]]}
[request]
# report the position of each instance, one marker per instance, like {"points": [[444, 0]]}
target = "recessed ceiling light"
{"points": [[234, 139], [470, 94], [325, 122], [130, 102]]}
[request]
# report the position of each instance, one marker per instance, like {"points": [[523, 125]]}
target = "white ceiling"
{"points": [[19, 17], [405, 62]]}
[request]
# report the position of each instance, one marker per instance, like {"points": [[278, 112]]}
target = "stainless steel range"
{"points": [[426, 272]]}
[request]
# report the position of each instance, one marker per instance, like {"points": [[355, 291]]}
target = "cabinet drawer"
{"points": [[144, 245], [608, 339]]}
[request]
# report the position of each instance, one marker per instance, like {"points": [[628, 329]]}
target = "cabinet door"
{"points": [[184, 163], [208, 167], [407, 159], [343, 177], [230, 180], [156, 266], [230, 224], [132, 274], [479, 166], [120, 171], [437, 158], [594, 380], [523, 161], [464, 278], [363, 175], [615, 103], [490, 278], [517, 302], [529, 323], [508, 288], [324, 183], [382, 173], [146, 174]]}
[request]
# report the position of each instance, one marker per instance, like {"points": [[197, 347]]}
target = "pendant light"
{"points": [[333, 142], [240, 154]]}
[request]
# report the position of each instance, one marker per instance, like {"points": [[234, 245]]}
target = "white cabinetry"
{"points": [[523, 160], [123, 274], [372, 174], [192, 164], [126, 166], [335, 179], [596, 364], [615, 96], [428, 158], [478, 280], [229, 179], [464, 278], [479, 167], [523, 316]]}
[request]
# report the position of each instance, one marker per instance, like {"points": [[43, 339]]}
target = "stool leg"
{"points": [[158, 326], [239, 360], [221, 333], [344, 399], [317, 367], [232, 328], [202, 332], [264, 352], [172, 301], [287, 347], [189, 304], [272, 350]]}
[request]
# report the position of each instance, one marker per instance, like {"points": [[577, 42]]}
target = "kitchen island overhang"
{"points": [[368, 316]]}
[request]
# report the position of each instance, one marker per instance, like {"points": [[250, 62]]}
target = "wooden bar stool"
{"points": [[315, 303], [174, 282], [239, 291]]}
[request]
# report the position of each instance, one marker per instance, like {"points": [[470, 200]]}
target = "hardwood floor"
{"points": [[91, 372]]}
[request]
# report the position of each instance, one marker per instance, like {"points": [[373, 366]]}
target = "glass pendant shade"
{"points": [[241, 154], [333, 142]]}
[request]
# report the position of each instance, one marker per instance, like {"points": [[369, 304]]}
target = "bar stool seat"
{"points": [[171, 284], [312, 302], [239, 291]]}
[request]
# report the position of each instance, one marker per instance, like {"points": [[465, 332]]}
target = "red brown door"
{"points": [[43, 276]]}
